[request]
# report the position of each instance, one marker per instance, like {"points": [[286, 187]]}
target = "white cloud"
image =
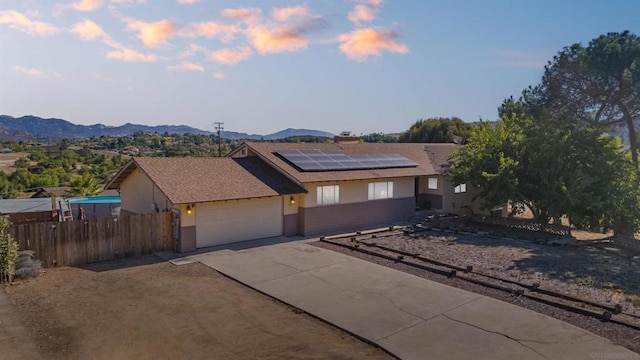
{"points": [[362, 43], [230, 57], [187, 2], [187, 66], [284, 14], [131, 55], [20, 22], [82, 5]]}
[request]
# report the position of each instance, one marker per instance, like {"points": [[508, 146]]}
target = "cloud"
{"points": [[82, 5], [248, 15], [192, 50], [130, 55], [20, 22], [230, 57], [209, 30], [28, 71], [187, 1], [129, 2], [88, 30], [153, 34], [284, 14], [362, 43], [362, 13], [218, 75], [187, 66], [275, 40]]}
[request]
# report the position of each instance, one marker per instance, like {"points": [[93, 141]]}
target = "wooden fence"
{"points": [[88, 241], [522, 224]]}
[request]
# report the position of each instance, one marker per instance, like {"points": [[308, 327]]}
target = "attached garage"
{"points": [[225, 222]]}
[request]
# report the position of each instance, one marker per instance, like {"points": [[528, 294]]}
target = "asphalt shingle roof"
{"points": [[190, 180], [432, 159]]}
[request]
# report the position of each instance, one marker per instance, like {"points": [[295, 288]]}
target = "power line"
{"points": [[218, 126]]}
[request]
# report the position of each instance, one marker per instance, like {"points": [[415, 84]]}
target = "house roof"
{"points": [[27, 205], [191, 180], [432, 159]]}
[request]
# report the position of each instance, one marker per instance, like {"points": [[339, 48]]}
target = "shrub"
{"points": [[8, 252]]}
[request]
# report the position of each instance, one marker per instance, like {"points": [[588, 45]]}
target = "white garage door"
{"points": [[238, 220]]}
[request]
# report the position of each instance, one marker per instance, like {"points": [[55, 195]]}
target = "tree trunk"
{"points": [[633, 141]]}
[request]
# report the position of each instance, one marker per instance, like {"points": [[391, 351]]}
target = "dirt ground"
{"points": [[149, 309]]}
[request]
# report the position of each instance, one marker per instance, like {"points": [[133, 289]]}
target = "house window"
{"points": [[462, 188], [381, 190], [433, 184], [328, 195]]}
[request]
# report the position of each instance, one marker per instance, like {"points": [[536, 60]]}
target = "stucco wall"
{"points": [[357, 191], [139, 194]]}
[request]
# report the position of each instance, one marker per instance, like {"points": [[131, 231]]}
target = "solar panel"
{"points": [[331, 160]]}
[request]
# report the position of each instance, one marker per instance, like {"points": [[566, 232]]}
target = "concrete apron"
{"points": [[411, 317]]}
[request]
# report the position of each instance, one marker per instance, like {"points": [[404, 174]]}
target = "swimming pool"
{"points": [[96, 200]]}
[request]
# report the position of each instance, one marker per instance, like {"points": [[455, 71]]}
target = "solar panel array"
{"points": [[331, 160]]}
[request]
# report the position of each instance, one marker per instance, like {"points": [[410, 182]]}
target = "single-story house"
{"points": [[271, 189]]}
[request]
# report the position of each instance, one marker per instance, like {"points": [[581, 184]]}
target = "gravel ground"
{"points": [[595, 271]]}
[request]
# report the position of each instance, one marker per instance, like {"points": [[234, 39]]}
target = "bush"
{"points": [[8, 252]]}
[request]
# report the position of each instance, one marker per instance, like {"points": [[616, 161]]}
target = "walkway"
{"points": [[411, 317]]}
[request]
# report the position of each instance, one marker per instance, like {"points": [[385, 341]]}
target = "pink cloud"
{"points": [[130, 55], [218, 75], [187, 66], [284, 14], [362, 13], [248, 15], [28, 71], [153, 34], [362, 43], [192, 50], [187, 2], [88, 30], [82, 5], [20, 22], [230, 57], [209, 30], [275, 40]]}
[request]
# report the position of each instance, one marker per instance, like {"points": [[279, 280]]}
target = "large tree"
{"points": [[552, 168], [597, 85], [437, 130]]}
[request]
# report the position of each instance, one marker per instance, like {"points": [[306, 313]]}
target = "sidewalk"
{"points": [[411, 317]]}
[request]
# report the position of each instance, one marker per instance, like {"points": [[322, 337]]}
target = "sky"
{"points": [[261, 66]]}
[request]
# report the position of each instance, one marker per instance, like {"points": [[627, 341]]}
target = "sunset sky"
{"points": [[261, 66]]}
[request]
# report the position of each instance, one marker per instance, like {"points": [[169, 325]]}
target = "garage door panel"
{"points": [[232, 221]]}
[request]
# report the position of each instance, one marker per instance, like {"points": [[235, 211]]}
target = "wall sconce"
{"points": [[189, 210], [292, 200]]}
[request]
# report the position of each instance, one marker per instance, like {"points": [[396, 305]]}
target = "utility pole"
{"points": [[218, 126]]}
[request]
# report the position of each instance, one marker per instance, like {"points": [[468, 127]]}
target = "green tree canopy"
{"points": [[552, 169], [597, 85], [437, 130], [85, 185]]}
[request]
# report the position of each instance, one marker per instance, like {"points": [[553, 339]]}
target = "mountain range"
{"points": [[33, 127]]}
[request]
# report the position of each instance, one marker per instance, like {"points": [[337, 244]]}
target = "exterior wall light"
{"points": [[189, 210], [292, 200]]}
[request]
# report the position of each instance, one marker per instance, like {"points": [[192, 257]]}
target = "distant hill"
{"points": [[33, 127]]}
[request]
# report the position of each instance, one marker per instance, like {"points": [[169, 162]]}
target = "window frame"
{"points": [[373, 192], [322, 199], [460, 188], [435, 179]]}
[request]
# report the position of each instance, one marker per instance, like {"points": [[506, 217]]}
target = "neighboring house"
{"points": [[24, 211], [272, 189]]}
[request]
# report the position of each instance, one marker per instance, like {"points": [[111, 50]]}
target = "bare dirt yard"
{"points": [[146, 308], [601, 271]]}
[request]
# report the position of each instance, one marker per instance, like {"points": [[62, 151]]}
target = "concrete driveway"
{"points": [[411, 317]]}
